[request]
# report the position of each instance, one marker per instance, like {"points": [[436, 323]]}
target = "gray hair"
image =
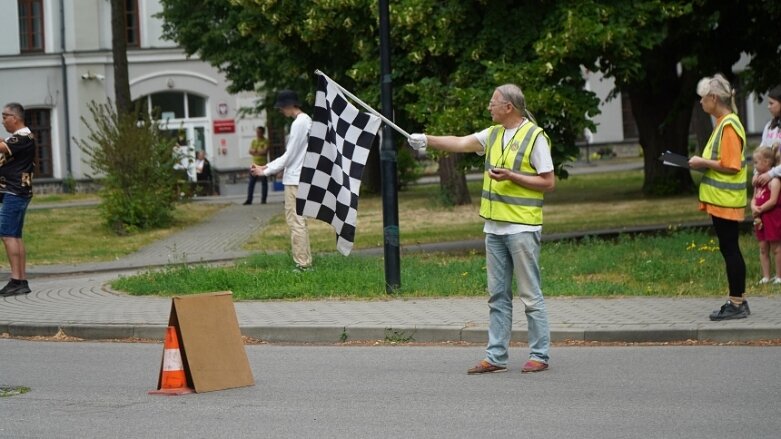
{"points": [[16, 109], [717, 85], [513, 94]]}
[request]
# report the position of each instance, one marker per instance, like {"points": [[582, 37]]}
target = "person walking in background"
{"points": [[203, 174], [259, 151], [17, 154], [767, 214], [518, 170], [771, 134], [723, 187], [291, 162]]}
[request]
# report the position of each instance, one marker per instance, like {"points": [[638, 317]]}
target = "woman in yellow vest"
{"points": [[723, 187]]}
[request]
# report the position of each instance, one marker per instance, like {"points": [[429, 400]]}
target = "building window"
{"points": [[174, 104], [196, 106], [629, 123], [131, 23], [170, 104], [39, 122], [31, 25]]}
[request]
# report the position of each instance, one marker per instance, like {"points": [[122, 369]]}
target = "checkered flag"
{"points": [[339, 143]]}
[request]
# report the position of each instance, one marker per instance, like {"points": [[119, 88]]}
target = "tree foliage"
{"points": [[448, 57], [657, 50]]}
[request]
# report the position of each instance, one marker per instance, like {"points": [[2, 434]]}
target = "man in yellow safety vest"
{"points": [[518, 170]]}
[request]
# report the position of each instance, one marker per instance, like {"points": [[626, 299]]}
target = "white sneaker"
{"points": [[776, 280], [764, 281]]}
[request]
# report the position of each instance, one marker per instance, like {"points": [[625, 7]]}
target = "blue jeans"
{"points": [[263, 188], [519, 254], [12, 214]]}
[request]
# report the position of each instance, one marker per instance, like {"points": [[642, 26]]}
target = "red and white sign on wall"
{"points": [[224, 126]]}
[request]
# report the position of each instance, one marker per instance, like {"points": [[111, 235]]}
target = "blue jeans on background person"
{"points": [[263, 188], [506, 255]]}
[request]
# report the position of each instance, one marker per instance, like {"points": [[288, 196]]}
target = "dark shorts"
{"points": [[12, 215]]}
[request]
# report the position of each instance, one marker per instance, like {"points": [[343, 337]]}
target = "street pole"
{"points": [[388, 177]]}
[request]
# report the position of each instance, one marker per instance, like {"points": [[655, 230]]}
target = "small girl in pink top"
{"points": [[767, 213]]}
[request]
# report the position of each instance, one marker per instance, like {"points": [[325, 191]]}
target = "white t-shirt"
{"points": [[541, 160], [295, 150], [771, 136]]}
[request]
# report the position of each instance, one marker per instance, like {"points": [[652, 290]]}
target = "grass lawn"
{"points": [[77, 234], [683, 263], [581, 202]]}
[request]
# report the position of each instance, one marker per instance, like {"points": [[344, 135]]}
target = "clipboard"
{"points": [[669, 158]]}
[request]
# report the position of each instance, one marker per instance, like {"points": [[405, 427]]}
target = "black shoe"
{"points": [[15, 289], [263, 202], [729, 311], [247, 203]]}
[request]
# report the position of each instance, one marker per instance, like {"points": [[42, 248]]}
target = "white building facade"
{"points": [[56, 58]]}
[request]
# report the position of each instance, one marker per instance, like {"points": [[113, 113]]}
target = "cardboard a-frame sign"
{"points": [[210, 340]]}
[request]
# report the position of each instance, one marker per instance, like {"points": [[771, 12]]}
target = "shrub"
{"points": [[135, 165]]}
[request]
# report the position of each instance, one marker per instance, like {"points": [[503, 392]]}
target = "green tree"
{"points": [[657, 50], [447, 58]]}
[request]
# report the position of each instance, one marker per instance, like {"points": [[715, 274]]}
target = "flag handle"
{"points": [[363, 104]]}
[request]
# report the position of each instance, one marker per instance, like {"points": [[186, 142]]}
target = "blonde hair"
{"points": [[772, 153], [717, 85]]}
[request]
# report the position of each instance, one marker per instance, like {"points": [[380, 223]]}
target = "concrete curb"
{"points": [[402, 334]]}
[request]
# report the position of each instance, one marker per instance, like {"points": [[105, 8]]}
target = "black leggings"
{"points": [[728, 232]]}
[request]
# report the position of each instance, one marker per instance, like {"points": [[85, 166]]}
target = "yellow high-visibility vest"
{"points": [[719, 188], [505, 200]]}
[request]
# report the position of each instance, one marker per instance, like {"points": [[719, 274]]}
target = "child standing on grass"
{"points": [[767, 213]]}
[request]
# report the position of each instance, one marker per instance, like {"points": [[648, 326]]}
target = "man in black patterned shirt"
{"points": [[17, 155]]}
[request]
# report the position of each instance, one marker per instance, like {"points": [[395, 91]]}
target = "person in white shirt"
{"points": [[518, 170], [291, 163], [771, 134]]}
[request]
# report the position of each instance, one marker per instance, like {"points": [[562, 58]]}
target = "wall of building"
{"points": [[609, 121], [85, 71], [9, 22]]}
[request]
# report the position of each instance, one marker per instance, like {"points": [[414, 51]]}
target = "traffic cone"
{"points": [[172, 377]]}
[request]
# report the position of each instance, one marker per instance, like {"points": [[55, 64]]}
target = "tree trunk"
{"points": [[663, 111], [119, 51], [452, 180]]}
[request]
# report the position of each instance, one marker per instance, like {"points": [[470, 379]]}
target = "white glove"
{"points": [[417, 141]]}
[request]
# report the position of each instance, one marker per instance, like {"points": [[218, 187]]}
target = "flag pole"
{"points": [[364, 105]]}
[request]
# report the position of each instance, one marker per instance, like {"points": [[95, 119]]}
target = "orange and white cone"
{"points": [[173, 380]]}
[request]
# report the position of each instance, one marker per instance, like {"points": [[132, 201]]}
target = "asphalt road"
{"points": [[98, 390]]}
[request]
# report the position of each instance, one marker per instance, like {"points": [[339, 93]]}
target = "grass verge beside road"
{"points": [[678, 264], [683, 263]]}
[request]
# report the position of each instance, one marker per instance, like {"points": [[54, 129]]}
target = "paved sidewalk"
{"points": [[80, 306], [73, 299]]}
